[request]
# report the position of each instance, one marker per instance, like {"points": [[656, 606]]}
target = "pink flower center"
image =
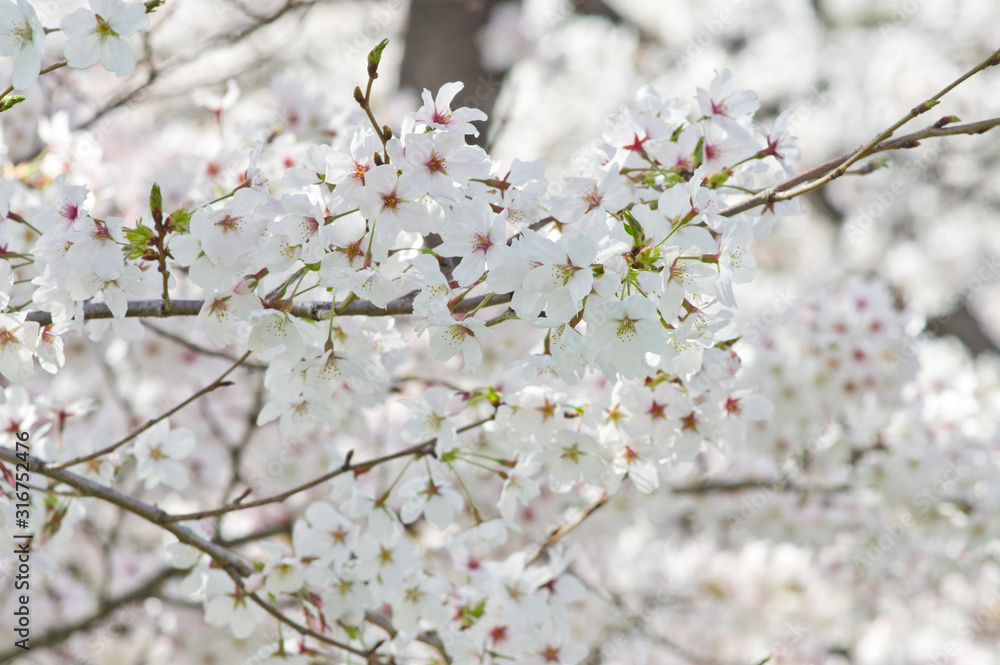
{"points": [[352, 251], [657, 411], [69, 211], [436, 164], [548, 410], [358, 173], [481, 243], [229, 223], [219, 308], [550, 654], [100, 232], [636, 144], [391, 201]]}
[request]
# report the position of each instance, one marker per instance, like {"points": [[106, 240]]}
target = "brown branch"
{"points": [[934, 131], [869, 147], [218, 383], [281, 528], [778, 484], [105, 609], [166, 334], [314, 311], [790, 188], [429, 638], [231, 563], [561, 531], [59, 65], [417, 449], [149, 513], [285, 619]]}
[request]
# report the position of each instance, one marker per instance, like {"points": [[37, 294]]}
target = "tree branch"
{"points": [[778, 484], [314, 311], [218, 383], [149, 513], [793, 187], [417, 449], [561, 531], [105, 609]]}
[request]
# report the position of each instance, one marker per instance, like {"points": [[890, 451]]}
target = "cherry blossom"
{"points": [[307, 302], [18, 338], [437, 112], [159, 452], [228, 605], [421, 604], [99, 34], [436, 501], [479, 237], [624, 331], [449, 337], [430, 420], [22, 35], [325, 534], [726, 106]]}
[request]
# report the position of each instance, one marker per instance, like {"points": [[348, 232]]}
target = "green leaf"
{"points": [[471, 614], [716, 180], [140, 238], [179, 221], [764, 661]]}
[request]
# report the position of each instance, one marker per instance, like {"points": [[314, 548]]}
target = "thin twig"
{"points": [[149, 513], [561, 531], [105, 610], [218, 383], [778, 192], [869, 147], [777, 484], [417, 449], [285, 619], [825, 173], [59, 65], [199, 349]]}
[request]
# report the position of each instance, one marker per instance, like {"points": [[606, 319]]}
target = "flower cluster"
{"points": [[451, 363], [94, 34], [619, 284]]}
